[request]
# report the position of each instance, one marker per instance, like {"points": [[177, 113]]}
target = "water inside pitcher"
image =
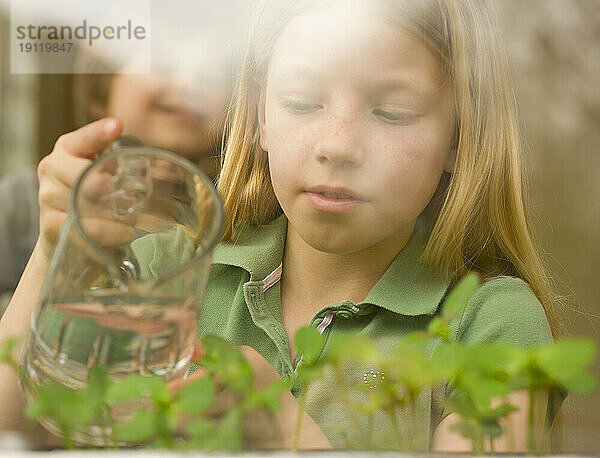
{"points": [[128, 275]]}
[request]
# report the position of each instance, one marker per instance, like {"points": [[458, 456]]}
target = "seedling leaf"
{"points": [[309, 343], [459, 296]]}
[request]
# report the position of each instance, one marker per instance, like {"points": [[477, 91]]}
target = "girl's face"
{"points": [[358, 122]]}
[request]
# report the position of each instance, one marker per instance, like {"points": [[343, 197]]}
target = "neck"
{"points": [[313, 279]]}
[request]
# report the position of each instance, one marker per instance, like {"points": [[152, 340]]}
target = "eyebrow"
{"points": [[380, 86], [297, 71], [400, 82], [399, 85]]}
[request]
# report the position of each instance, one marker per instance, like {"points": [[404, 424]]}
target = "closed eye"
{"points": [[396, 117], [299, 106]]}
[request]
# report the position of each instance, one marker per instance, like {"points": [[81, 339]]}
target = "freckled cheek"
{"points": [[285, 164], [408, 173], [288, 143]]}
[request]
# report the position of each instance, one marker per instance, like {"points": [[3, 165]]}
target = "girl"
{"points": [[373, 158]]}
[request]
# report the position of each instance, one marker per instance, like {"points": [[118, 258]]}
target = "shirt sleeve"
{"points": [[504, 309]]}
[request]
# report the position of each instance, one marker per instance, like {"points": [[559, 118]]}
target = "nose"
{"points": [[339, 143]]}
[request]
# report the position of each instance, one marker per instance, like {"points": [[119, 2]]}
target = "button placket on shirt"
{"points": [[346, 314], [324, 319], [258, 308], [345, 310]]}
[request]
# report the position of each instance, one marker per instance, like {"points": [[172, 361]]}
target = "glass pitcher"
{"points": [[126, 281]]}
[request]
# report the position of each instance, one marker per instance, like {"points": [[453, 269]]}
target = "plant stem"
{"points": [[345, 400], [370, 424], [346, 439], [162, 427], [531, 423], [103, 419], [401, 440], [299, 416], [411, 429], [509, 431], [478, 446], [67, 438], [112, 425]]}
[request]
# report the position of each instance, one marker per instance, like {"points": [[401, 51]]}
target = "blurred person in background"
{"points": [[185, 116]]}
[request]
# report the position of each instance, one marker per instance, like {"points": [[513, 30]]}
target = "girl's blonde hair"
{"points": [[478, 216]]}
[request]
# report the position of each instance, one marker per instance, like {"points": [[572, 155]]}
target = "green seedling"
{"points": [[477, 377]]}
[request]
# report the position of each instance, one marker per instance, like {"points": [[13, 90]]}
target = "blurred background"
{"points": [[554, 51], [180, 105]]}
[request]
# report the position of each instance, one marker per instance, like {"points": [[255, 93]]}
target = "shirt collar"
{"points": [[407, 287], [256, 249]]}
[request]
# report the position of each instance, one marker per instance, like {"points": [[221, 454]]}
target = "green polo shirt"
{"points": [[242, 304]]}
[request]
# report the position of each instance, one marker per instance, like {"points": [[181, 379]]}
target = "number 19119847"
{"points": [[45, 47]]}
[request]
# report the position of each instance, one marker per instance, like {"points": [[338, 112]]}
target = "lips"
{"points": [[333, 199], [336, 193]]}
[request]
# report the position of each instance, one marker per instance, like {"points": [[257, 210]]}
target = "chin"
{"points": [[326, 242]]}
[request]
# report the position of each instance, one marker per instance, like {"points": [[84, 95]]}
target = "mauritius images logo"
{"points": [[47, 35]]}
